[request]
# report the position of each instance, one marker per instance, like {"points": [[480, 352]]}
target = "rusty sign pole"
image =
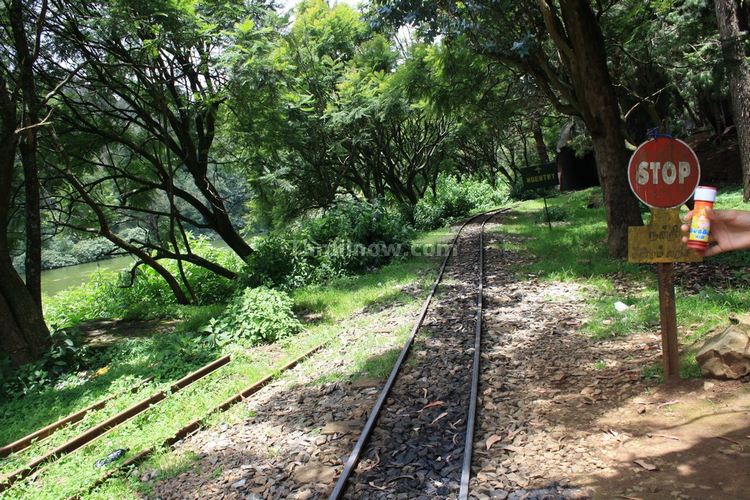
{"points": [[670, 350]]}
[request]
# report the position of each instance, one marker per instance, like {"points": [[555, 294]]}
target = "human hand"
{"points": [[730, 230]]}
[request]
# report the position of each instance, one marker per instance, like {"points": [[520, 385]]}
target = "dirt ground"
{"points": [[696, 435]]}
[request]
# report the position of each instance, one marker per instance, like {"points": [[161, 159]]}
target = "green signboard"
{"points": [[540, 176]]}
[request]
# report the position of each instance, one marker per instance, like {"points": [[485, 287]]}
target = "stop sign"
{"points": [[663, 172]]}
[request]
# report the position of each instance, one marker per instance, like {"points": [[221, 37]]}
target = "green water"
{"points": [[55, 281]]}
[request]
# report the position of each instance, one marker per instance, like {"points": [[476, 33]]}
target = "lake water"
{"points": [[55, 281]]}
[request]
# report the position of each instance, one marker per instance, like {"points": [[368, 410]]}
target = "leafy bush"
{"points": [[453, 199], [254, 316], [349, 237], [209, 287], [286, 261], [66, 354]]}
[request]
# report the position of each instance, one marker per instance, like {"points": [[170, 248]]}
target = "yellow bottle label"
{"points": [[700, 226]]}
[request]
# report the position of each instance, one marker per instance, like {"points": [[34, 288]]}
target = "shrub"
{"points": [[453, 199], [280, 261], [254, 316], [66, 354], [349, 237], [147, 296], [209, 288]]}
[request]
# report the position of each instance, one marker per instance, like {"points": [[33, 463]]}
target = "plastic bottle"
{"points": [[704, 197]]}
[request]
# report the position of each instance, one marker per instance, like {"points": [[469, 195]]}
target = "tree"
{"points": [[581, 45], [390, 142], [152, 83], [24, 335], [563, 50], [136, 122], [732, 17]]}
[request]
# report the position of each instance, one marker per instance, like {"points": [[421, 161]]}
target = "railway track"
{"points": [[418, 438], [37, 466]]}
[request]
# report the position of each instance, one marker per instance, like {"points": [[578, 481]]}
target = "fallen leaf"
{"points": [[492, 440], [665, 436], [432, 405], [728, 439], [646, 465], [439, 417]]}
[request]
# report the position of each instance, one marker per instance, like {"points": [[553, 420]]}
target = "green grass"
{"points": [[575, 250], [345, 296]]}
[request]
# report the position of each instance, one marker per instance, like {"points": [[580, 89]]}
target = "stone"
{"points": [[314, 474], [344, 427], [305, 494], [726, 355], [239, 484]]}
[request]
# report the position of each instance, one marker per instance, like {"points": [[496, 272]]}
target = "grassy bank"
{"points": [[575, 249]]}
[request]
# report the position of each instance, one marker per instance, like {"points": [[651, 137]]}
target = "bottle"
{"points": [[704, 197]]}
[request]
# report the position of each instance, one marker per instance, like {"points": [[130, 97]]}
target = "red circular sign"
{"points": [[663, 172]]}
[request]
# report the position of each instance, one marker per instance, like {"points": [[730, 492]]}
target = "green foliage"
{"points": [[349, 237], [281, 260], [209, 288], [256, 315], [66, 354], [453, 199], [106, 296], [143, 296], [553, 214]]}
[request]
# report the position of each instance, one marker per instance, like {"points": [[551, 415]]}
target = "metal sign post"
{"points": [[546, 213], [663, 173], [541, 177]]}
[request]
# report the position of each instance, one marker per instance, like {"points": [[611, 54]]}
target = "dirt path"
{"points": [[569, 417], [561, 415]]}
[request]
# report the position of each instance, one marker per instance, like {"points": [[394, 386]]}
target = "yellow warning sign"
{"points": [[660, 240]]}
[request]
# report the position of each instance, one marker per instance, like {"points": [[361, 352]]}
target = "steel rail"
{"points": [[353, 459], [199, 423], [26, 441], [109, 424], [471, 417]]}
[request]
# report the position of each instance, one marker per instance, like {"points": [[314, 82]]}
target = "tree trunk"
{"points": [[601, 113], [731, 20], [541, 148], [28, 149], [23, 334]]}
